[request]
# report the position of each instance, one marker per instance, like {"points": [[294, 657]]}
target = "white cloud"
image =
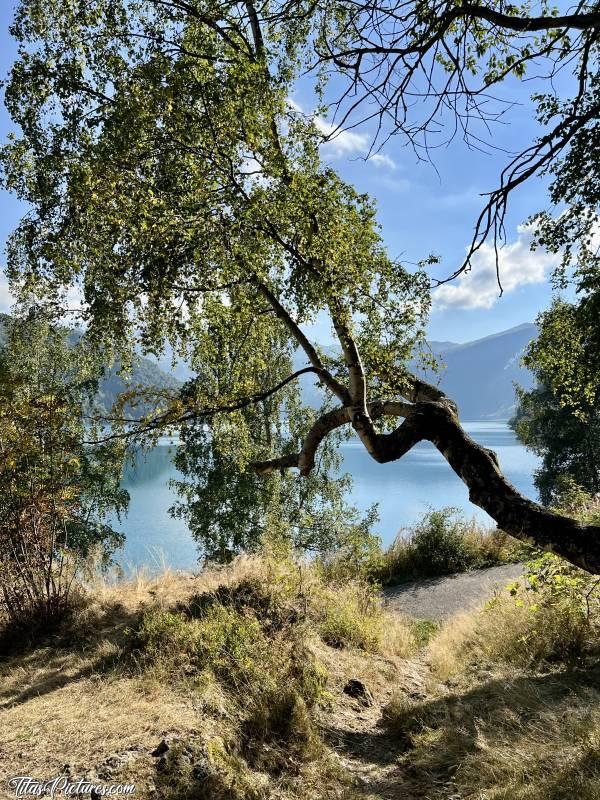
{"points": [[478, 288], [382, 160], [338, 142]]}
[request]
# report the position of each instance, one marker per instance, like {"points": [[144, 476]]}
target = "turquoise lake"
{"points": [[403, 489]]}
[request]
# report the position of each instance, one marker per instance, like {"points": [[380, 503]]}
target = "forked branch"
{"points": [[437, 422]]}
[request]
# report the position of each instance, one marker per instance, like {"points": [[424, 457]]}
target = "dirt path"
{"points": [[365, 751], [358, 737], [440, 598]]}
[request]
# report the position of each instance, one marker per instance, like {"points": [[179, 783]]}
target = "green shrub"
{"points": [[359, 555], [164, 637], [574, 501], [442, 542], [232, 645], [279, 733], [306, 673], [229, 643], [438, 544], [552, 615], [349, 615]]}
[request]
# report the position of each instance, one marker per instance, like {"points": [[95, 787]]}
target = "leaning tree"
{"points": [[173, 185]]}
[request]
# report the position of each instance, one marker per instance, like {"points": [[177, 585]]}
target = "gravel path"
{"points": [[440, 598]]}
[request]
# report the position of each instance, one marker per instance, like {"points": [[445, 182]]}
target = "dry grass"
{"points": [[504, 734], [230, 661], [513, 707], [246, 665], [522, 629]]}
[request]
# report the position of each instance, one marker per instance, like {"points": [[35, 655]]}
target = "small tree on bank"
{"points": [[55, 492]]}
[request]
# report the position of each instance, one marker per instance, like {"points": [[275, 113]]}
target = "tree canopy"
{"points": [[175, 187], [560, 417]]}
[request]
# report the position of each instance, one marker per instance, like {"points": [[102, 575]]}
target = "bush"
{"points": [[56, 491], [441, 543], [359, 555], [551, 616], [279, 732], [228, 643], [165, 637], [574, 501], [350, 614], [438, 544]]}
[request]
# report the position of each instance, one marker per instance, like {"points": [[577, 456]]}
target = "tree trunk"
{"points": [[478, 468]]}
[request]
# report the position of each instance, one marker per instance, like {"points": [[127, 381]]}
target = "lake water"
{"points": [[404, 490]]}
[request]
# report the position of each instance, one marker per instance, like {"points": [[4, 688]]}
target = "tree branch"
{"points": [[579, 22], [169, 418], [476, 466], [305, 459], [338, 389]]}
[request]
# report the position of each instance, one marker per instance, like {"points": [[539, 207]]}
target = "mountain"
{"points": [[480, 375], [144, 372]]}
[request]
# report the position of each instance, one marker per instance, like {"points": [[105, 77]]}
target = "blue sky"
{"points": [[421, 211]]}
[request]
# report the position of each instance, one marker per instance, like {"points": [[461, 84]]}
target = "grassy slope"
{"points": [[504, 703], [92, 691]]}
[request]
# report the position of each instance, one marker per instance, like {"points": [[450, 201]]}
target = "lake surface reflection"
{"points": [[404, 490]]}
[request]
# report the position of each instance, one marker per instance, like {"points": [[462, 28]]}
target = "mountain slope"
{"points": [[480, 375], [144, 372]]}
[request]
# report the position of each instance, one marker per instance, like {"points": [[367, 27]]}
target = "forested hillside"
{"points": [[143, 373]]}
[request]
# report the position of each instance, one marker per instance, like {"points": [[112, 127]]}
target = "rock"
{"points": [[203, 768], [162, 763], [115, 762], [193, 753], [358, 690], [162, 748]]}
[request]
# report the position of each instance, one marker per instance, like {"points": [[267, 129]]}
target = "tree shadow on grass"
{"points": [[439, 744], [75, 648]]}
